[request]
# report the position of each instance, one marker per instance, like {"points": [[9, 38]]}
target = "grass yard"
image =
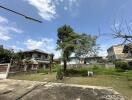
{"points": [[35, 77], [120, 81]]}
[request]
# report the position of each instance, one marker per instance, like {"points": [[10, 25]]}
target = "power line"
{"points": [[27, 17]]}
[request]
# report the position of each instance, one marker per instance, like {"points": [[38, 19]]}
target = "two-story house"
{"points": [[128, 52], [35, 59], [115, 52]]}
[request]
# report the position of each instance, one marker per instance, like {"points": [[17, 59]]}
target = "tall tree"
{"points": [[5, 55], [65, 42], [122, 31], [86, 46]]}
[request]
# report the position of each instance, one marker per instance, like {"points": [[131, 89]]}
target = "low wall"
{"points": [[107, 65], [4, 70], [84, 65]]}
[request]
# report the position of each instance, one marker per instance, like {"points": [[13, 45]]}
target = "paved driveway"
{"points": [[31, 90]]}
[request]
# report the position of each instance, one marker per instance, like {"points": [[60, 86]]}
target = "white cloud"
{"points": [[103, 50], [46, 44], [46, 8], [6, 28], [3, 20], [14, 29], [4, 36], [33, 44], [73, 7]]}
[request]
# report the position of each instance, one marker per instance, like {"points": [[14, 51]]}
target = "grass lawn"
{"points": [[121, 83]]}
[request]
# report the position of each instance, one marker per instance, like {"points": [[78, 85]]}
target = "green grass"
{"points": [[51, 77], [120, 81]]}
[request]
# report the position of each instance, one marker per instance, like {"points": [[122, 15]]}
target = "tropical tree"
{"points": [[65, 42]]}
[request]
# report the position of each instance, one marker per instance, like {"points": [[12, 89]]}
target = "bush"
{"points": [[54, 68], [95, 67], [82, 72], [42, 70], [120, 65], [60, 73], [130, 65]]}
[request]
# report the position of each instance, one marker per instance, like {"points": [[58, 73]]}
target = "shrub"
{"points": [[120, 65], [42, 70], [54, 68], [95, 67], [59, 74], [82, 72], [130, 65]]}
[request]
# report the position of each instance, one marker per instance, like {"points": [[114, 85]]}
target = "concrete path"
{"points": [[32, 90]]}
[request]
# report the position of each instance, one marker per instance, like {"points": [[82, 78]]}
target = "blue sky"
{"points": [[84, 16]]}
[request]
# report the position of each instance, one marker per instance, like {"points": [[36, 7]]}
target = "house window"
{"points": [[39, 55]]}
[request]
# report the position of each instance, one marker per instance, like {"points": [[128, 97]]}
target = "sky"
{"points": [[84, 16]]}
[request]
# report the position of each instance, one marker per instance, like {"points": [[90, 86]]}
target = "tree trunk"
{"points": [[65, 65]]}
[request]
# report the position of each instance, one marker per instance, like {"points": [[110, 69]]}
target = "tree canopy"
{"points": [[5, 55], [71, 42], [65, 42], [86, 46]]}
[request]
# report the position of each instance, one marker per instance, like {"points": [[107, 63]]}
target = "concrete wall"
{"points": [[4, 70], [107, 65], [115, 52]]}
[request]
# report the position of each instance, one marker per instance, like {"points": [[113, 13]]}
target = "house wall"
{"points": [[36, 55], [4, 70], [118, 52], [115, 53], [91, 61]]}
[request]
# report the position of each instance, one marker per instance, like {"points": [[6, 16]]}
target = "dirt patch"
{"points": [[27, 90]]}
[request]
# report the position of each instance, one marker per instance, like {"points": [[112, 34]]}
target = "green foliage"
{"points": [[5, 55], [86, 46], [59, 74], [66, 42], [120, 65], [19, 55], [76, 72], [54, 68], [70, 42], [42, 70], [130, 65], [97, 70]]}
